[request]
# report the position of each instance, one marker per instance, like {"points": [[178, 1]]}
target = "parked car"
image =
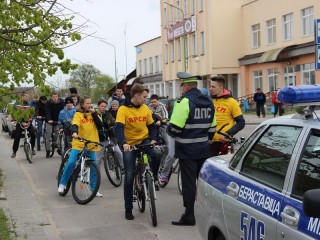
{"points": [[4, 121], [257, 193], [11, 124]]}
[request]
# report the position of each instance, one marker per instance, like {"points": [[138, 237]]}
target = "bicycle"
{"points": [[53, 140], [27, 144], [144, 188], [229, 146], [85, 178], [111, 164]]}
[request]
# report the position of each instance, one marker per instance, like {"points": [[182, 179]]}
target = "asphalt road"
{"points": [[103, 218]]}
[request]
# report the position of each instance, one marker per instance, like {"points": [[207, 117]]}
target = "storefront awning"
{"points": [[131, 80], [271, 55]]}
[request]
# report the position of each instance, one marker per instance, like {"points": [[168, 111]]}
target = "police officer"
{"points": [[192, 124]]}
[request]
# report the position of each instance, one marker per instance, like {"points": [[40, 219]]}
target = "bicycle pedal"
{"points": [[134, 199]]}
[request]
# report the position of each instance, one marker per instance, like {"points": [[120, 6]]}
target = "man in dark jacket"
{"points": [[260, 98], [53, 108], [40, 117], [118, 95], [192, 125]]}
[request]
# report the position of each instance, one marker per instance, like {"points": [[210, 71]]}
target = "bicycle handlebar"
{"points": [[230, 138], [140, 147], [86, 141]]}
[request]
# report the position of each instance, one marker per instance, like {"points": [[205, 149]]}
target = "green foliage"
{"points": [[32, 34], [21, 113], [103, 83]]}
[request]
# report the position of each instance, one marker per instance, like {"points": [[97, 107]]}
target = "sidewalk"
{"points": [[28, 219], [252, 119]]}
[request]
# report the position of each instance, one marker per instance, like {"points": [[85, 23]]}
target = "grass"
{"points": [[4, 221]]}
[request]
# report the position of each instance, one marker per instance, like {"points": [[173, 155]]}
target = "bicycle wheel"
{"points": [[28, 151], [139, 190], [151, 198], [61, 168], [52, 148], [61, 145], [163, 184], [85, 182], [179, 181], [113, 169]]}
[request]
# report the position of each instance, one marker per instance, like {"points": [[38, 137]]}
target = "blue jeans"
{"points": [[129, 161], [39, 131], [71, 163]]}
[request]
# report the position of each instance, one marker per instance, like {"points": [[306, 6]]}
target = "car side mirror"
{"points": [[311, 203]]}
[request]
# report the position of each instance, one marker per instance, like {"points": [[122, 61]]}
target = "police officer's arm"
{"points": [[179, 117], [213, 126], [240, 124]]}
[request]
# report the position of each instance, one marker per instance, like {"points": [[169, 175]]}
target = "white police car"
{"points": [[257, 193]]}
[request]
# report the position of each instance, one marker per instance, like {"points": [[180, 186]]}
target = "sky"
{"points": [[110, 20]]}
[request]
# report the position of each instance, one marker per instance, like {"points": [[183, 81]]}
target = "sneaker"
{"points": [[61, 188], [122, 171], [48, 154], [33, 152], [156, 186], [38, 148], [59, 152], [99, 194], [129, 215], [13, 155], [164, 179]]}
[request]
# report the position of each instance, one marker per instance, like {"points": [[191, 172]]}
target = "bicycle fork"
{"points": [[84, 173], [145, 183]]}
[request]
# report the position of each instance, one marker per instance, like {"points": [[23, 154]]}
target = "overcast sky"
{"points": [[109, 19]]}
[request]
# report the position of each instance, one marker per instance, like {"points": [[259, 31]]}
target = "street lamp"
{"points": [[184, 38], [115, 61]]}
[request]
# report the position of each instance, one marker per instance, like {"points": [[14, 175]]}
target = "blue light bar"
{"points": [[300, 94]]}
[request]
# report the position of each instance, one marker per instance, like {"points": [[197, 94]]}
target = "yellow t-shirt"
{"points": [[135, 122], [226, 110], [86, 129]]}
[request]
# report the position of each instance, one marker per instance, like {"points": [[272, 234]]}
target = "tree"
{"points": [[32, 34], [103, 83], [84, 78]]}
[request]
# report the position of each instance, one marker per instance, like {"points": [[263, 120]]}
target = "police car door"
{"points": [[305, 176], [253, 197]]}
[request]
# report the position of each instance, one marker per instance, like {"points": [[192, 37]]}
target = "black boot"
{"points": [[38, 148], [129, 215], [48, 154]]}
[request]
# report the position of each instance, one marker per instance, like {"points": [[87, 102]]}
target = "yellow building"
{"points": [[253, 43]]}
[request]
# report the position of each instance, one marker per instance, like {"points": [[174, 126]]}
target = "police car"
{"points": [[257, 193]]}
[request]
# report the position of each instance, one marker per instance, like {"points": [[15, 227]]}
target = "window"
{"points": [[307, 21], [201, 5], [257, 79], [170, 90], [157, 89], [289, 76], [150, 65], [272, 76], [194, 45], [192, 7], [178, 11], [256, 42], [165, 17], [202, 43], [179, 50], [308, 173], [151, 89], [271, 31], [288, 26], [156, 60], [268, 160], [171, 15], [242, 150], [145, 69], [172, 51], [308, 73], [140, 68], [166, 53]]}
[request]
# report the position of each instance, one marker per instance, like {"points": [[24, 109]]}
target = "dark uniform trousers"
{"points": [[18, 134], [190, 169]]}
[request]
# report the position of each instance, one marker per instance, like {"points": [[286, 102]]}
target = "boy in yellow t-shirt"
{"points": [[134, 125]]}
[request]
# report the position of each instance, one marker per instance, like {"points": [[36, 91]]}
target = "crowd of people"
{"points": [[189, 133]]}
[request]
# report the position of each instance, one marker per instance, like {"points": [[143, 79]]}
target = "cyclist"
{"points": [[40, 117], [65, 121], [24, 123], [53, 108], [227, 111], [104, 121], [83, 125], [134, 125]]}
